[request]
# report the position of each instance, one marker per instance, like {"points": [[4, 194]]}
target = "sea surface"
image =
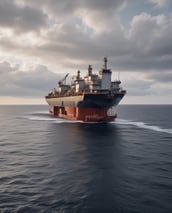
{"points": [[53, 165]]}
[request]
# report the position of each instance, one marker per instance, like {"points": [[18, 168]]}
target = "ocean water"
{"points": [[53, 165]]}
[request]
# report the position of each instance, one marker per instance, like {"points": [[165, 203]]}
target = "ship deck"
{"points": [[84, 93]]}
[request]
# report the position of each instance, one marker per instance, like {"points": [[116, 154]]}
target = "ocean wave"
{"points": [[143, 125]]}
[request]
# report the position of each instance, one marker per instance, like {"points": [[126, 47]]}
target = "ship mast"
{"points": [[105, 62]]}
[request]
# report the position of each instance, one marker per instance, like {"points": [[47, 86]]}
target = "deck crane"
{"points": [[63, 79]]}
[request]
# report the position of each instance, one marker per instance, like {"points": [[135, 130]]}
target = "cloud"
{"points": [[37, 81], [161, 3], [151, 32], [68, 35], [151, 42], [67, 7], [138, 86], [6, 67], [146, 45], [163, 77], [21, 19]]}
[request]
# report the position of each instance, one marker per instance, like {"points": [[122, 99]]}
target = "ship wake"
{"points": [[45, 116], [143, 125]]}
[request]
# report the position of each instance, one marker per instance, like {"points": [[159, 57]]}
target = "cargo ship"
{"points": [[89, 99]]}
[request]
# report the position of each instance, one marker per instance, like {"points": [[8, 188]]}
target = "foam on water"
{"points": [[143, 125], [45, 116], [40, 118]]}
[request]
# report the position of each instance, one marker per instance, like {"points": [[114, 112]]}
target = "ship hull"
{"points": [[86, 107], [83, 114]]}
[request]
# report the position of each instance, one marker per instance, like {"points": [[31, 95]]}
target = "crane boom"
{"points": [[63, 79]]}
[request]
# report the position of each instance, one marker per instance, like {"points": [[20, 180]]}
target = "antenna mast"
{"points": [[105, 62]]}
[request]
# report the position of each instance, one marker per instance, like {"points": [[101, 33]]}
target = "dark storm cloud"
{"points": [[21, 19]]}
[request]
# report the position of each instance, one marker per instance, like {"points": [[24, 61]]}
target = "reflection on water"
{"points": [[89, 162]]}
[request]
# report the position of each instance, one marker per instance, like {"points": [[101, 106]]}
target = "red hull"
{"points": [[82, 114]]}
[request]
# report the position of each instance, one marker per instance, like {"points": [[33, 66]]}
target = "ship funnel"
{"points": [[90, 70]]}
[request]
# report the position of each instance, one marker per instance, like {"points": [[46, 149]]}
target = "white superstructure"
{"points": [[92, 83]]}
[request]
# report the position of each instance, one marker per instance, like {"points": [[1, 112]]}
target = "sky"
{"points": [[43, 40]]}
